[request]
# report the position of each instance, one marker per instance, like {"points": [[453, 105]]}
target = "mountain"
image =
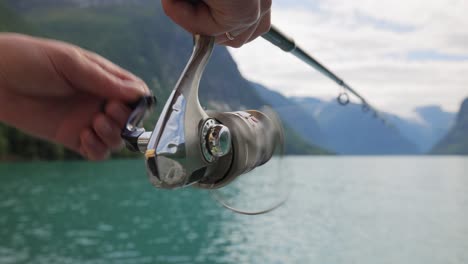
{"points": [[293, 115], [344, 130], [47, 4], [439, 121], [427, 129], [456, 141], [434, 115], [10, 21], [430, 124], [138, 36], [311, 105], [351, 131]]}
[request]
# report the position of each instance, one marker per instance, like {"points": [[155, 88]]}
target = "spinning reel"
{"points": [[205, 149]]}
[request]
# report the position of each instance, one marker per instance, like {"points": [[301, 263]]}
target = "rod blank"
{"points": [[287, 44]]}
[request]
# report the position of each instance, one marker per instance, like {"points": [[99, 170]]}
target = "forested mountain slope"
{"points": [[456, 141]]}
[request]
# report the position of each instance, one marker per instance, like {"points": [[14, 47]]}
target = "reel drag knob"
{"points": [[215, 139], [219, 141]]}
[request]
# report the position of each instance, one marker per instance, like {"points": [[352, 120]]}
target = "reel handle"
{"points": [[134, 135]]}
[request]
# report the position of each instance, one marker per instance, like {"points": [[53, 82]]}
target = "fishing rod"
{"points": [[287, 44], [208, 149]]}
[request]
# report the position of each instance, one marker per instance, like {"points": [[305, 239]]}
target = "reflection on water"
{"points": [[342, 210]]}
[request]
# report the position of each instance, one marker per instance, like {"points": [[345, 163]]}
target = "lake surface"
{"points": [[362, 210]]}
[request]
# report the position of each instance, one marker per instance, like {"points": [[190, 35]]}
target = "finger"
{"points": [[118, 112], [195, 18], [80, 111], [248, 35], [212, 18], [86, 75], [93, 147], [263, 27], [239, 40], [236, 14], [108, 131], [235, 34], [265, 6], [113, 68]]}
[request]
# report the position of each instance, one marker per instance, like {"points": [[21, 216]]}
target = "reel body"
{"points": [[193, 147]]}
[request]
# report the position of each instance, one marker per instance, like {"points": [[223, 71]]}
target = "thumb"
{"points": [[193, 16]]}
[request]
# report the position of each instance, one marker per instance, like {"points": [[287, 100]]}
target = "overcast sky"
{"points": [[400, 54]]}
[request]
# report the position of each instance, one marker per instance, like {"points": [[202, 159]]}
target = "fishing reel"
{"points": [[205, 149]]}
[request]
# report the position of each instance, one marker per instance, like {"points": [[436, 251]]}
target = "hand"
{"points": [[244, 20], [62, 93]]}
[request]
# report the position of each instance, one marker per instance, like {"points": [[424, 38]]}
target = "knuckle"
{"points": [[252, 14], [264, 28], [254, 17], [100, 153], [69, 57], [266, 4]]}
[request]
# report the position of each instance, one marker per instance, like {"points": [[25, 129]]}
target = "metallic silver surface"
{"points": [[219, 141], [143, 141], [211, 149], [209, 123], [174, 157]]}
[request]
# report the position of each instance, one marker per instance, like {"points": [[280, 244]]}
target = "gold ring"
{"points": [[229, 36]]}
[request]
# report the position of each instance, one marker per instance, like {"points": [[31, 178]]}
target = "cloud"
{"points": [[399, 54]]}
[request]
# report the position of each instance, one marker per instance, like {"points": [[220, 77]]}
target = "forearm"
{"points": [[14, 52], [15, 73]]}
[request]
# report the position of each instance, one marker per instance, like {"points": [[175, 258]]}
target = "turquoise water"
{"points": [[342, 210]]}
